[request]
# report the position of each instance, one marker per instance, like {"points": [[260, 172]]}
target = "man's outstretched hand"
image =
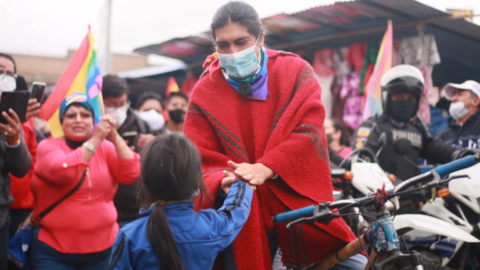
{"points": [[255, 174]]}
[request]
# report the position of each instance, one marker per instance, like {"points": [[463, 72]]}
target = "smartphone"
{"points": [[38, 88], [129, 137], [17, 101]]}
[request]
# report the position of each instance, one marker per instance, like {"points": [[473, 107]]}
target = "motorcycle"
{"points": [[437, 240]]}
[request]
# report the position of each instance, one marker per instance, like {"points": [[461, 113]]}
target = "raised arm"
{"points": [[234, 213]]}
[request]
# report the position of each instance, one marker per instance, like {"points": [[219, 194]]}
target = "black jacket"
{"points": [[402, 165], [126, 197], [14, 160], [464, 136], [17, 161]]}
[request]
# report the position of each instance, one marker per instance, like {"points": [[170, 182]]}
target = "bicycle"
{"points": [[383, 239]]}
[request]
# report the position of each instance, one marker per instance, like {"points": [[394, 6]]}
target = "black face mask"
{"points": [[177, 116], [74, 144], [402, 110]]}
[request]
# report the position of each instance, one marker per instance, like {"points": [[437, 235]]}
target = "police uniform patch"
{"points": [[363, 132], [359, 143]]}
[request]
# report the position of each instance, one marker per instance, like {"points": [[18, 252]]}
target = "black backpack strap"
{"points": [[39, 217]]}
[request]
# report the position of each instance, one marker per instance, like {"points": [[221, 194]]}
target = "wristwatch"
{"points": [[89, 147]]}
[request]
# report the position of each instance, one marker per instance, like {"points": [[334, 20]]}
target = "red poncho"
{"points": [[285, 133]]}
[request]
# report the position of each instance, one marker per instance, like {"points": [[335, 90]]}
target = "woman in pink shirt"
{"points": [[337, 137], [80, 231]]}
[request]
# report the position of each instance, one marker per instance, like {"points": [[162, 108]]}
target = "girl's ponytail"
{"points": [[161, 239]]}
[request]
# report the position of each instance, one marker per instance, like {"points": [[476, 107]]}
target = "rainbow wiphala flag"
{"points": [[373, 90], [82, 75]]}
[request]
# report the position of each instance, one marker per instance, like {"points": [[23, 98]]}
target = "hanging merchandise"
{"points": [[352, 113], [368, 65], [419, 51], [422, 52], [356, 55], [342, 68], [327, 96], [341, 64], [323, 66], [424, 107]]}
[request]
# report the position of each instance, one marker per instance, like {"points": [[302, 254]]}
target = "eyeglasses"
{"points": [[4, 72], [83, 115], [116, 106]]}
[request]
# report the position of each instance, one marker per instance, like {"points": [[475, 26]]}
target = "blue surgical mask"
{"points": [[240, 64]]}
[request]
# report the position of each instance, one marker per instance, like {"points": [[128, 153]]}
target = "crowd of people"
{"points": [[191, 182]]}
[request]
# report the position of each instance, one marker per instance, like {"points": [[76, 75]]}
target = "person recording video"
{"points": [[14, 156]]}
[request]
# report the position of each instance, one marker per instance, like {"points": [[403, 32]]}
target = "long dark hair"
{"points": [[237, 12], [9, 57], [171, 171], [340, 126]]}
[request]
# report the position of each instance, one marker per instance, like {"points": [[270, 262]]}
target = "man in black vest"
{"points": [[402, 88], [115, 97]]}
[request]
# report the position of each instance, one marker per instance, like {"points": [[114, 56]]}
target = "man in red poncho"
{"points": [[256, 115]]}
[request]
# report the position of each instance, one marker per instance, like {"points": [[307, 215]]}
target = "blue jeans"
{"points": [[43, 257]]}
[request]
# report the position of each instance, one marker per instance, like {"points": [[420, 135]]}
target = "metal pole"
{"points": [[108, 56]]}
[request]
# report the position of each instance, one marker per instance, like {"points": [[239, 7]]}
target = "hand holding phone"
{"points": [[130, 137], [38, 88], [17, 101], [12, 129]]}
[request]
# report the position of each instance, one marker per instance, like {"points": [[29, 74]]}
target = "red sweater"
{"points": [[286, 133], [20, 187], [86, 222]]}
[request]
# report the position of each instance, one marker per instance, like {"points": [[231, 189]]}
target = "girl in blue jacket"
{"points": [[170, 235]]}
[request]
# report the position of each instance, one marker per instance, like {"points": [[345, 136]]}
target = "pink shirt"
{"points": [[344, 151], [86, 222]]}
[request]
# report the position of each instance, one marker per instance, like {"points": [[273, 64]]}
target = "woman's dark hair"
{"points": [[9, 57], [237, 12], [147, 96], [171, 171], [340, 126]]}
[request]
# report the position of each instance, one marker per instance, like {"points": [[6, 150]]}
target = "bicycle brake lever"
{"points": [[439, 182]]}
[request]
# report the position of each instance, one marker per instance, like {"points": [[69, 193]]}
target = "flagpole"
{"points": [[108, 56]]}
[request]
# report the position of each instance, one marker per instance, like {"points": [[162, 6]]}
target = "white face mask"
{"points": [[8, 84], [154, 119], [118, 114], [241, 64], [458, 111]]}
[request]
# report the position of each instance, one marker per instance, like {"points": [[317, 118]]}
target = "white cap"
{"points": [[401, 71], [468, 85]]}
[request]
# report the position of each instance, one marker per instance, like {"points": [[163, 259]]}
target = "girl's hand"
{"points": [[227, 181]]}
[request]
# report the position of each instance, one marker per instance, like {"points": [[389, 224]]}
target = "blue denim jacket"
{"points": [[200, 236]]}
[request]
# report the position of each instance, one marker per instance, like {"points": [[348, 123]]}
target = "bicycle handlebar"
{"points": [[294, 214], [456, 165], [442, 170]]}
